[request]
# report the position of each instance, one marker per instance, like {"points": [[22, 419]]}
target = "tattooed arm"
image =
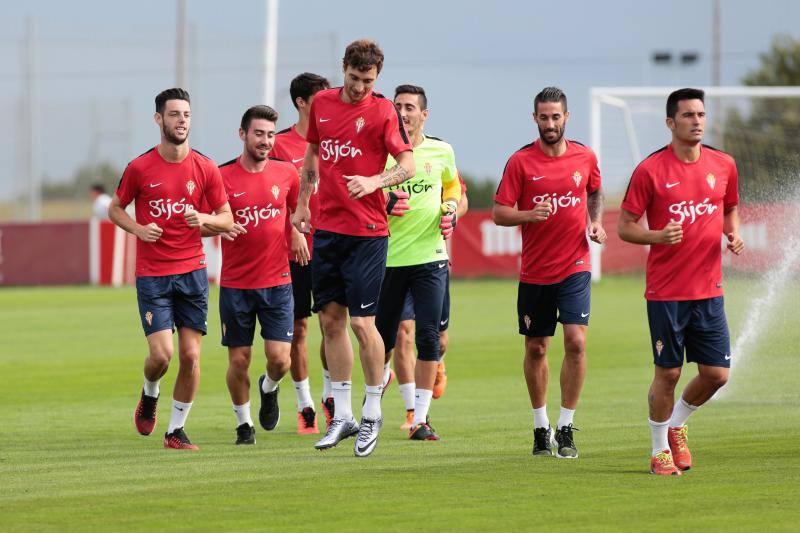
{"points": [[360, 186], [594, 205], [309, 176]]}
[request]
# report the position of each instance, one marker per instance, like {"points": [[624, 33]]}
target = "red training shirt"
{"points": [[354, 140], [162, 191], [557, 247], [697, 195], [257, 259]]}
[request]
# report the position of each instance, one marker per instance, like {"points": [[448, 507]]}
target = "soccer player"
{"points": [[417, 258], [551, 187], [290, 145], [255, 280], [350, 133], [403, 353], [689, 192], [167, 182]]}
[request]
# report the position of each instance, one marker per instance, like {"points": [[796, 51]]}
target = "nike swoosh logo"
{"points": [[671, 185], [442, 265], [179, 408], [584, 315], [367, 305], [727, 357], [362, 449], [443, 322], [289, 333], [537, 178], [237, 194], [154, 185], [324, 119], [297, 160]]}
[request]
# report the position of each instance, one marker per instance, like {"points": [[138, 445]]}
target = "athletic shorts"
{"points": [[174, 301], [444, 320], [239, 308], [348, 270], [427, 284], [698, 327], [301, 289], [541, 307]]}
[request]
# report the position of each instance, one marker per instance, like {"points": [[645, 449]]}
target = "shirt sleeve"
{"points": [[732, 190], [594, 182], [639, 193], [312, 135], [128, 186], [450, 184], [510, 187], [215, 195], [395, 138]]}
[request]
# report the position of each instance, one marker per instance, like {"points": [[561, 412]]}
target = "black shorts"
{"points": [[348, 270], [698, 327], [301, 289], [541, 307], [239, 308], [444, 320], [178, 300], [427, 284]]}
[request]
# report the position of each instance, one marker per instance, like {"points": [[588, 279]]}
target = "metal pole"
{"points": [[180, 45], [270, 51], [716, 54], [32, 124]]}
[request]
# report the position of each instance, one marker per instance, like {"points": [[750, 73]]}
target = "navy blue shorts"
{"points": [[178, 300], [301, 289], [238, 309], [444, 320], [541, 307], [698, 327], [348, 270], [427, 284]]}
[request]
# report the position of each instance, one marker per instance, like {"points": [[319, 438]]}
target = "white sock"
{"points": [[372, 403], [407, 390], [341, 399], [540, 419], [326, 385], [422, 402], [151, 388], [681, 413], [269, 385], [180, 411], [386, 371], [303, 391], [565, 418], [658, 431], [242, 414]]}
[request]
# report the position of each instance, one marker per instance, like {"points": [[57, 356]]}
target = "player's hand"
{"points": [[541, 211], [300, 248], [361, 186], [301, 219], [597, 233], [231, 235], [150, 232], [193, 218], [735, 243], [397, 203], [671, 234]]}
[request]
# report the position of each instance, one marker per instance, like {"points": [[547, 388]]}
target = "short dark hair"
{"points": [[363, 55], [176, 93], [99, 188], [306, 85], [550, 94], [683, 94], [413, 89], [258, 111]]}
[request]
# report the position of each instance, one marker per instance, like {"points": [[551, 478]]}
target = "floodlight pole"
{"points": [[31, 153], [180, 45], [270, 51]]}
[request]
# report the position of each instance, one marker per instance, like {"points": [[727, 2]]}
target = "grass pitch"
{"points": [[70, 458]]}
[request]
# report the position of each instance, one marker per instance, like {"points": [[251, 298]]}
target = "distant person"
{"points": [[290, 145], [100, 201], [551, 188], [167, 183], [255, 282], [351, 131], [689, 192]]}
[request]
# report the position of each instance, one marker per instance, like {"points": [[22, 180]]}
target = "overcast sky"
{"points": [[101, 63]]}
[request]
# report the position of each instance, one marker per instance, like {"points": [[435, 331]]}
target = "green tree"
{"points": [[104, 173], [766, 140], [479, 192]]}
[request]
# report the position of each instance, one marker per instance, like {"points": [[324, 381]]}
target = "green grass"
{"points": [[70, 458]]}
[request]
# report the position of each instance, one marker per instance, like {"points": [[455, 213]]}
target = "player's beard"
{"points": [[171, 137], [543, 136], [255, 154]]}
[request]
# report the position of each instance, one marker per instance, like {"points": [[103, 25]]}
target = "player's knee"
{"points": [[240, 360], [668, 377], [363, 328], [535, 347], [190, 358], [716, 379], [332, 325], [575, 346], [300, 330], [444, 340], [405, 331]]}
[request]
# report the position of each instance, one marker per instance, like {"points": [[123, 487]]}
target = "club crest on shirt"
{"points": [[659, 347], [527, 321], [360, 122], [148, 316], [276, 191], [711, 180], [428, 168], [577, 178], [190, 186]]}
